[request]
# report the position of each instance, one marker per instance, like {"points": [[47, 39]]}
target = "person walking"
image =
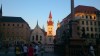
{"points": [[25, 50], [30, 51], [42, 50], [36, 50], [17, 50]]}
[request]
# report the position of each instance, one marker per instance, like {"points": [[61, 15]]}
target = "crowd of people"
{"points": [[27, 49]]}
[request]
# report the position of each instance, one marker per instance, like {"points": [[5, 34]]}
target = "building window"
{"points": [[92, 36], [83, 28], [99, 23], [40, 38], [87, 35], [94, 23], [33, 38], [86, 16], [3, 24], [13, 24], [17, 24], [91, 29], [83, 22], [95, 29], [87, 28], [94, 17], [86, 22], [37, 37], [90, 17], [90, 22], [8, 24], [22, 25]]}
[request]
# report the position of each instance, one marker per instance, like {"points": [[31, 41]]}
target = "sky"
{"points": [[33, 10]]}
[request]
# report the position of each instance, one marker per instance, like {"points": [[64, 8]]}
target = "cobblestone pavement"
{"points": [[49, 54], [3, 53]]}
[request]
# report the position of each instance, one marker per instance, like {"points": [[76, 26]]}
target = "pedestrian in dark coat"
{"points": [[30, 51]]}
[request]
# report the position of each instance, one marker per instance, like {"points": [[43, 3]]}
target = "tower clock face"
{"points": [[50, 32]]}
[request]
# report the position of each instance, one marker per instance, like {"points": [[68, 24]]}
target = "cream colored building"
{"points": [[38, 35], [88, 19]]}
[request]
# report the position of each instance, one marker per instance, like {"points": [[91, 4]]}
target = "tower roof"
{"points": [[37, 24], [50, 15]]}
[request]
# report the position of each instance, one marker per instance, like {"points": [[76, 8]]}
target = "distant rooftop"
{"points": [[86, 9], [11, 19]]}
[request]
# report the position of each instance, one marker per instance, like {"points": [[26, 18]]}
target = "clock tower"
{"points": [[50, 34], [50, 26]]}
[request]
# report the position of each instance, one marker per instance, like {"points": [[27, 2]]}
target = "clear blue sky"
{"points": [[33, 10]]}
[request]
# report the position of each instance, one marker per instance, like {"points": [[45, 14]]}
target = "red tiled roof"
{"points": [[50, 22], [82, 9], [85, 9]]}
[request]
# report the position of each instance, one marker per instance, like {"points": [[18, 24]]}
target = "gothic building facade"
{"points": [[38, 35]]}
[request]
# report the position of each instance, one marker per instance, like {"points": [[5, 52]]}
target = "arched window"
{"points": [[32, 37], [40, 38], [90, 17], [37, 37], [86, 16], [94, 17]]}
